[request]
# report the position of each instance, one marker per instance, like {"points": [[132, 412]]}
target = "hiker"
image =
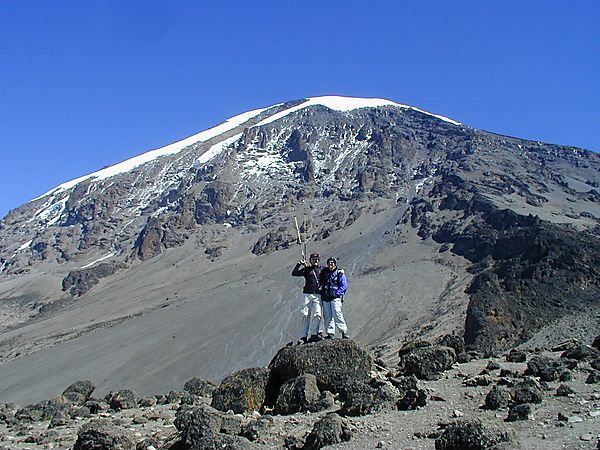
{"points": [[311, 298], [333, 287]]}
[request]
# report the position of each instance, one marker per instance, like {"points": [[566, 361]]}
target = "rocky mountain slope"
{"points": [[178, 260]]}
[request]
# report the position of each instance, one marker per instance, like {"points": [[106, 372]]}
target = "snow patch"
{"points": [[215, 150], [98, 260], [24, 246], [347, 104], [170, 149]]}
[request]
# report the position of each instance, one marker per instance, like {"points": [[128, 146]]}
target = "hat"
{"points": [[314, 255], [331, 259]]}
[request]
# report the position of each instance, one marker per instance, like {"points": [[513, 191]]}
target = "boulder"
{"points": [[528, 391], [412, 345], [593, 377], [596, 343], [79, 392], [453, 341], [359, 400], [564, 391], [297, 394], [256, 428], [243, 392], [100, 434], [580, 352], [43, 410], [539, 365], [329, 430], [473, 435], [197, 422], [335, 363], [516, 356], [412, 399], [521, 411], [198, 386], [123, 399], [498, 397], [426, 363], [60, 418]]}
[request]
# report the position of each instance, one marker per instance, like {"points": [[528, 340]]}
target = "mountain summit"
{"points": [[176, 263]]}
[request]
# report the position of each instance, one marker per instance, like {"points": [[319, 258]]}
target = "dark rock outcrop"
{"points": [[78, 282]]}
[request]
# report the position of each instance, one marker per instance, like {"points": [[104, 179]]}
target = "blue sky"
{"points": [[85, 84]]}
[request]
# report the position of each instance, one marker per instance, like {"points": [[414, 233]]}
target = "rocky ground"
{"points": [[437, 397]]}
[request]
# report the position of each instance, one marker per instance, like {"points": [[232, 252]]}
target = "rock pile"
{"points": [[320, 394]]}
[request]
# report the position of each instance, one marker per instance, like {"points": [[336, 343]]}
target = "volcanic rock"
{"points": [[473, 435], [427, 362], [242, 392], [336, 364], [79, 392], [330, 430], [297, 394], [498, 397], [101, 435]]}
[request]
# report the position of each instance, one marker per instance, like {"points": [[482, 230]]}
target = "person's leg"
{"points": [[338, 316], [305, 316], [328, 322], [316, 314]]}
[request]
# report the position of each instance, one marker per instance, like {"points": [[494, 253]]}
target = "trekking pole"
{"points": [[302, 248]]}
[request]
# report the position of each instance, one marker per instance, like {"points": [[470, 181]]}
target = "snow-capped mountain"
{"points": [[441, 227]]}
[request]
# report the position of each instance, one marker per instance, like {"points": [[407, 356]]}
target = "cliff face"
{"points": [[441, 228]]}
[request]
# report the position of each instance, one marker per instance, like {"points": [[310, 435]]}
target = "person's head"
{"points": [[331, 263], [314, 259]]}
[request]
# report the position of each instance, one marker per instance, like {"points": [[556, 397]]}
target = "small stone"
{"points": [[564, 391], [380, 444], [586, 437], [457, 413]]}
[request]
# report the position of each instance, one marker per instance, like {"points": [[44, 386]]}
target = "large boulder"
{"points": [[336, 364], [473, 435], [198, 386], [101, 435], [426, 363], [329, 430], [122, 399], [200, 428], [498, 397], [297, 394], [528, 391], [79, 392], [362, 399], [243, 392]]}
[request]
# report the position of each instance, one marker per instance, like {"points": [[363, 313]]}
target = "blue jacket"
{"points": [[334, 284]]}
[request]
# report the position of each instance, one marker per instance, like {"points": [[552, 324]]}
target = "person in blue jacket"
{"points": [[333, 287]]}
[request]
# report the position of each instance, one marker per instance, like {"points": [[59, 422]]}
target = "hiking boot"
{"points": [[330, 336], [345, 336], [301, 341], [315, 338]]}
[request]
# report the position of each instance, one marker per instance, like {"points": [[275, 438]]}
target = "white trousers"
{"points": [[332, 312], [311, 314]]}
